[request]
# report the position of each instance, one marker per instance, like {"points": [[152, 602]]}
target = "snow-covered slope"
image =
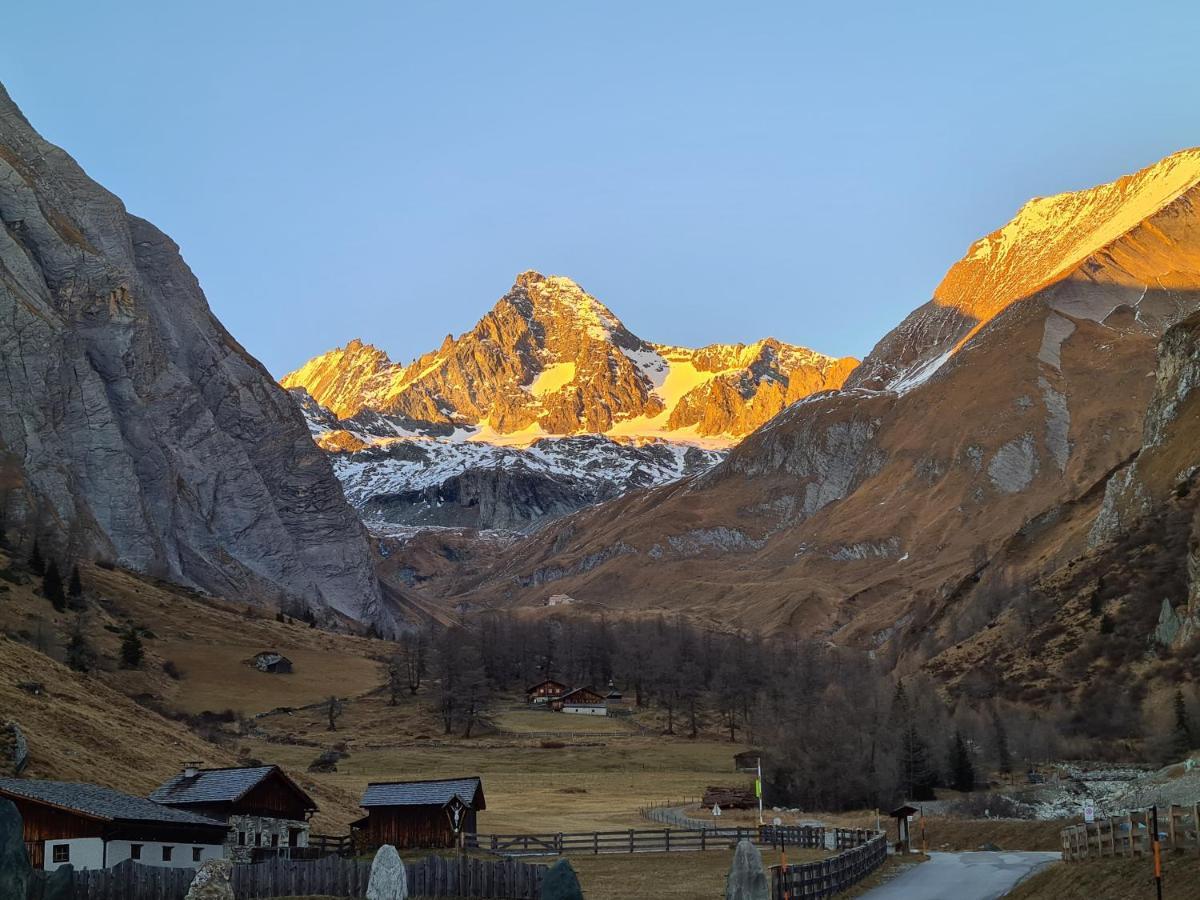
{"points": [[423, 480]]}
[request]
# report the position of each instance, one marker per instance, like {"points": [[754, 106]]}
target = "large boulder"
{"points": [[388, 881], [213, 881], [561, 883], [747, 879], [61, 884], [14, 862]]}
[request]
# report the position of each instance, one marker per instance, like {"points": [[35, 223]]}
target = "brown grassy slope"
{"points": [[83, 730], [932, 496], [1110, 879], [88, 726]]}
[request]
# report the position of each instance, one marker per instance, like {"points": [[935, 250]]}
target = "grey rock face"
{"points": [[14, 863], [213, 881], [132, 425], [747, 879], [388, 880], [1014, 466]]}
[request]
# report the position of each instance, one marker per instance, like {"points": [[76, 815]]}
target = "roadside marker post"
{"points": [[1157, 845]]}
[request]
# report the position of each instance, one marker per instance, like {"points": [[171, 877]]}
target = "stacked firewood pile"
{"points": [[730, 797]]}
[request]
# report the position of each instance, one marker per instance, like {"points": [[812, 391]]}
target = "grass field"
{"points": [[526, 721], [1112, 879]]}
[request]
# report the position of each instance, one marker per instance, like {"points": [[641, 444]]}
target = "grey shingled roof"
{"points": [[100, 802], [424, 793], [214, 786]]}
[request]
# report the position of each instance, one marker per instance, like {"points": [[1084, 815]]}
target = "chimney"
{"points": [[191, 769]]}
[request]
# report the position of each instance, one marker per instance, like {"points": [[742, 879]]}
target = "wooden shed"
{"points": [[746, 761], [408, 814]]}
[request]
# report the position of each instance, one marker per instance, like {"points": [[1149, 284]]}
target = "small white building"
{"points": [[93, 827], [581, 702]]}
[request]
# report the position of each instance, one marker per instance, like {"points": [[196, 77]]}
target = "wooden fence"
{"points": [[1132, 833], [332, 876], [658, 840], [810, 837], [826, 877]]}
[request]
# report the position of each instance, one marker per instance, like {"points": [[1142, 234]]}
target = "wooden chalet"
{"points": [[580, 700], [92, 827], [544, 691], [408, 814], [262, 806], [746, 761]]}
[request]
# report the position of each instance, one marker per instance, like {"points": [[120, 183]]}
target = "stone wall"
{"points": [[275, 832]]}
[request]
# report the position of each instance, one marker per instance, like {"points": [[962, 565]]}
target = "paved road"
{"points": [[962, 876]]}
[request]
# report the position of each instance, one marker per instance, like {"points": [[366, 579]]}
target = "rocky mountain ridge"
{"points": [[993, 414], [547, 405], [133, 428], [551, 360]]}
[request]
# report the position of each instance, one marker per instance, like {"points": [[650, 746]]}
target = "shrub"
{"points": [[553, 745], [172, 670]]}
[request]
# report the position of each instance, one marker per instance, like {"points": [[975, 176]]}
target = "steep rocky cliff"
{"points": [[1000, 406], [488, 431], [133, 427]]}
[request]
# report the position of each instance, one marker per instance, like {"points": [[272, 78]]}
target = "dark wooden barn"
{"points": [[409, 814], [263, 807], [544, 691], [93, 827]]}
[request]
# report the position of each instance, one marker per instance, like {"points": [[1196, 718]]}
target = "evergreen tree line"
{"points": [[837, 731]]}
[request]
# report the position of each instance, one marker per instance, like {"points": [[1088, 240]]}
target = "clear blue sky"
{"points": [[712, 171]]}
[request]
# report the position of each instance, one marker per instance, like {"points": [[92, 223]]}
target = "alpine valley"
{"points": [[1012, 466]]}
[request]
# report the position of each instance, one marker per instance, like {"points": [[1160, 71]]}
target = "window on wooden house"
{"points": [[135, 851], [62, 853], [167, 853], [241, 839], [258, 839], [275, 840], [196, 851]]}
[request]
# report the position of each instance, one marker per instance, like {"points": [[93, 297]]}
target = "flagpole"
{"points": [[758, 790]]}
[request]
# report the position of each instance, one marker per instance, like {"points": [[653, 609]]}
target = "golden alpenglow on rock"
{"points": [[549, 359]]}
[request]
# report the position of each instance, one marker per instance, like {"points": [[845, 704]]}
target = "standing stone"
{"points": [[14, 863], [388, 881], [747, 878], [213, 881], [61, 884], [561, 883]]}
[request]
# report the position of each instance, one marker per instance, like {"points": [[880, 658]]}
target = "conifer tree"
{"points": [[1003, 754], [75, 588], [962, 769], [52, 587], [131, 649], [1181, 735], [80, 655], [37, 564]]}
